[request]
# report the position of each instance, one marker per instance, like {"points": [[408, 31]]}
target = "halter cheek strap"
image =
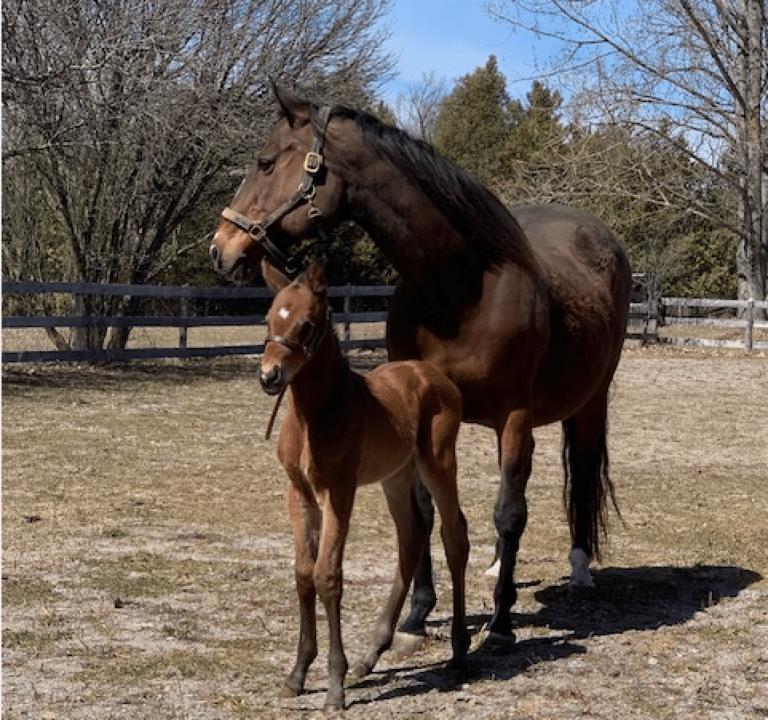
{"points": [[308, 349], [313, 163]]}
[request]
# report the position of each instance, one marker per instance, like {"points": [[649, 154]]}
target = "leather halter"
{"points": [[313, 163], [312, 343], [308, 349]]}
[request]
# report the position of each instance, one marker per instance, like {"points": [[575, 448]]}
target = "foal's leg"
{"points": [[411, 535], [337, 510], [511, 513], [423, 597], [441, 479], [304, 516]]}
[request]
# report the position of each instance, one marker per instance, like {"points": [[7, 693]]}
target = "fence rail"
{"points": [[693, 312], [645, 319], [183, 321]]}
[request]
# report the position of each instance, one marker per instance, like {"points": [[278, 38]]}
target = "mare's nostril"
{"points": [[214, 253]]}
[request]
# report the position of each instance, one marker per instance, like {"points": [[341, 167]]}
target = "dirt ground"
{"points": [[147, 560]]}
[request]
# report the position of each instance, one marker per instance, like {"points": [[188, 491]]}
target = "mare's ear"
{"points": [[275, 280], [316, 279], [294, 109]]}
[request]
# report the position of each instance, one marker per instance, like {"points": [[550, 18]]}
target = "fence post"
{"points": [[347, 310], [750, 324], [183, 328]]}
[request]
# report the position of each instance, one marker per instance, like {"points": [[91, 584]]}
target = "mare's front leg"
{"points": [[511, 514], [337, 510], [304, 515], [411, 536]]}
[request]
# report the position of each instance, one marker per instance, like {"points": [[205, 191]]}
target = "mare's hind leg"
{"points": [[305, 523], [423, 597], [511, 513], [411, 536], [588, 487]]}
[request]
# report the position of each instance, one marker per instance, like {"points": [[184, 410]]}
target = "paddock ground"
{"points": [[147, 561]]}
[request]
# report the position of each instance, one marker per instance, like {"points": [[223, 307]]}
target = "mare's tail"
{"points": [[587, 488]]}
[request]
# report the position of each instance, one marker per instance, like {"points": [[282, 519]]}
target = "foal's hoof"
{"points": [[290, 692], [359, 670], [404, 644]]}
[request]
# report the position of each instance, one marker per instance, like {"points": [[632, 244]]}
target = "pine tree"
{"points": [[474, 122]]}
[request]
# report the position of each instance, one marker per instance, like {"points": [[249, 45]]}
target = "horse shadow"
{"points": [[625, 599]]}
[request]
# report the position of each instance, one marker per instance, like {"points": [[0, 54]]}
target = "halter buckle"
{"points": [[313, 162]]}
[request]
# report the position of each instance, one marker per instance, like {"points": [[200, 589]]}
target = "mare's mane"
{"points": [[480, 217]]}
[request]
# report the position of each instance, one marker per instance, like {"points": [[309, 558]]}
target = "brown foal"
{"points": [[343, 430]]}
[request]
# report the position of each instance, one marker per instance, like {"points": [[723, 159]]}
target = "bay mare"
{"points": [[524, 310], [342, 431]]}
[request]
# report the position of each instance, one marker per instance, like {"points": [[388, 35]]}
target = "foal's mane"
{"points": [[480, 217]]}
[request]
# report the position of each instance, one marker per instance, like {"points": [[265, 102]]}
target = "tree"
{"points": [[474, 122], [418, 109], [697, 72], [130, 115]]}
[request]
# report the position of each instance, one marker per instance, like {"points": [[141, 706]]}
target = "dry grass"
{"points": [[147, 561]]}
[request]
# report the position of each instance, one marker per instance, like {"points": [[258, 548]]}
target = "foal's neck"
{"points": [[319, 387]]}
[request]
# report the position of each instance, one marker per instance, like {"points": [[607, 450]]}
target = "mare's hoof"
{"points": [[581, 593], [498, 644], [405, 644], [454, 675]]}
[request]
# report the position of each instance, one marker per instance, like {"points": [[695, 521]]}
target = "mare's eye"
{"points": [[265, 164]]}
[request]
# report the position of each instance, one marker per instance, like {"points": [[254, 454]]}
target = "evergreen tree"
{"points": [[474, 122]]}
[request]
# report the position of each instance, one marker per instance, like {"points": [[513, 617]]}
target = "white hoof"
{"points": [[494, 570], [580, 575]]}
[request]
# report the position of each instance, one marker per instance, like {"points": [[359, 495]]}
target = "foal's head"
{"points": [[297, 323]]}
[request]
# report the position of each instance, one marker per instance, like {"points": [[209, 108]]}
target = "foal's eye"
{"points": [[305, 330]]}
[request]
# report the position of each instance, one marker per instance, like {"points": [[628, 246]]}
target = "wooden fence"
{"points": [[645, 319], [182, 321]]}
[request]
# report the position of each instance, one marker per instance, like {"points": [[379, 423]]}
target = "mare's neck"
{"points": [[428, 252], [401, 220]]}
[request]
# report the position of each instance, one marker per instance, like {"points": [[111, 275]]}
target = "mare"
{"points": [[525, 310], [341, 431]]}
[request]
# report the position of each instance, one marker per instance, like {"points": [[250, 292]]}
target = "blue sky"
{"points": [[452, 38]]}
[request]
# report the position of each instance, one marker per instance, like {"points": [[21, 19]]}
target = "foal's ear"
{"points": [[275, 280], [316, 278], [294, 108]]}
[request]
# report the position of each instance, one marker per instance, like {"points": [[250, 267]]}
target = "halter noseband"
{"points": [[313, 163]]}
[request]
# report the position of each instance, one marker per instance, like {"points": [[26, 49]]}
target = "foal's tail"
{"points": [[587, 489]]}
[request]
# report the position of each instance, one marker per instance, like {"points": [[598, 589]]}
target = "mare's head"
{"points": [[287, 194], [297, 323]]}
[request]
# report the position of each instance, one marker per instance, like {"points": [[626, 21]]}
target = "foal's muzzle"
{"points": [[272, 381]]}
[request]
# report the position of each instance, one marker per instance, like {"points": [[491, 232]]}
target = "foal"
{"points": [[343, 430]]}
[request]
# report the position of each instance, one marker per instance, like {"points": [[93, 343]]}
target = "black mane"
{"points": [[480, 217]]}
